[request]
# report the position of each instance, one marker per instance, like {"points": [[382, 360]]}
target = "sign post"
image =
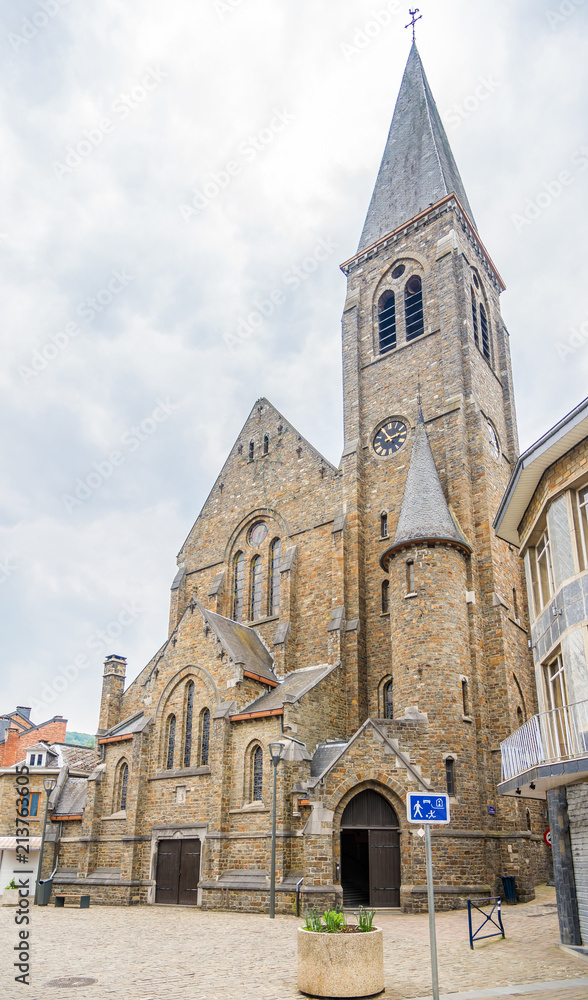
{"points": [[426, 809]]}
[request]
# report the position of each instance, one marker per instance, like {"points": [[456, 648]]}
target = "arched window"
{"points": [[256, 570], [239, 571], [410, 577], [388, 701], [265, 444], [413, 308], [171, 741], [251, 450], [383, 525], [465, 697], [123, 780], [520, 719], [450, 775], [475, 318], [257, 774], [385, 597], [275, 576], [387, 322], [204, 737], [484, 329], [188, 729]]}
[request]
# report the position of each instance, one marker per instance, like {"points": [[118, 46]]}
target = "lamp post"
{"points": [[275, 750], [48, 784]]}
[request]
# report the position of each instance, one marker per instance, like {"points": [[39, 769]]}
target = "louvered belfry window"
{"points": [[484, 329], [413, 308], [387, 323]]}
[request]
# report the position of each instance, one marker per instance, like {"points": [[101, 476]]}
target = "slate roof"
{"points": [[77, 758], [133, 724], [291, 689], [73, 797], [324, 755], [242, 644], [418, 168], [424, 514]]}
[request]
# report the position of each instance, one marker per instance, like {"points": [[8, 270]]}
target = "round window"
{"points": [[258, 533], [398, 271]]}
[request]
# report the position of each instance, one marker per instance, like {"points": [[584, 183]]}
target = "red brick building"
{"points": [[18, 732]]}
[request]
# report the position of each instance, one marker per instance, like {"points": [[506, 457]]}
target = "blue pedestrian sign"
{"points": [[427, 807]]}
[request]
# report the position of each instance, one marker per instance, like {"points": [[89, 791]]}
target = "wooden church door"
{"points": [[370, 851], [178, 872], [384, 856]]}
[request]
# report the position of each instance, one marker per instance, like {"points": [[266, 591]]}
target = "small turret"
{"points": [[113, 684]]}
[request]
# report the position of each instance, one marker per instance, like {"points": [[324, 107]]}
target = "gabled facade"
{"points": [[365, 616], [17, 732]]}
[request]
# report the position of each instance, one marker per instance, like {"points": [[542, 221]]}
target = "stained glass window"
{"points": [[171, 741], [275, 576], [258, 533], [257, 775], [256, 573], [238, 587], [124, 779], [204, 736], [189, 717]]}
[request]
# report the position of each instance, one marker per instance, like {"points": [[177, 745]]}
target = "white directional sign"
{"points": [[427, 807]]}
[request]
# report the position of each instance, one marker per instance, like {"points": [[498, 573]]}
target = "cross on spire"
{"points": [[414, 20]]}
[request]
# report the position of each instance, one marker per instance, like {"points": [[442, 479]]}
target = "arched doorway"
{"points": [[370, 852]]}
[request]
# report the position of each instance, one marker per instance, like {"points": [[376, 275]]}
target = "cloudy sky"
{"points": [[163, 167]]}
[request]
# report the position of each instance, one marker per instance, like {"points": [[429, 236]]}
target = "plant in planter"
{"points": [[10, 896], [337, 959]]}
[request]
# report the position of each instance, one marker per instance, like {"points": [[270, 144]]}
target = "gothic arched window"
{"points": [[123, 780], [485, 331], [188, 727], [385, 597], [257, 774], [171, 741], [387, 322], [475, 318], [204, 737], [275, 576], [256, 572], [251, 450], [413, 308], [384, 524], [388, 701], [239, 570], [265, 444]]}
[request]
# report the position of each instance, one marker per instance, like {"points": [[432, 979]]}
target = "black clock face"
{"points": [[390, 438]]}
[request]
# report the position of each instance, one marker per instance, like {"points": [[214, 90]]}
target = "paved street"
{"points": [[152, 953]]}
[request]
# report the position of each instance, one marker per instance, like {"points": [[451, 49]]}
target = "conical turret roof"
{"points": [[418, 168], [424, 515]]}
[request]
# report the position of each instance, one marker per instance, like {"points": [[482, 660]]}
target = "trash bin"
{"points": [[44, 892], [510, 889]]}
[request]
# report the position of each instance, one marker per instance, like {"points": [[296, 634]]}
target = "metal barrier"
{"points": [[488, 917], [298, 884]]}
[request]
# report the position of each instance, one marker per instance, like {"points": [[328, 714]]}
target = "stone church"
{"points": [[364, 616]]}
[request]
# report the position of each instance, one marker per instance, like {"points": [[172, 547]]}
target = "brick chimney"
{"points": [[113, 684], [9, 749]]}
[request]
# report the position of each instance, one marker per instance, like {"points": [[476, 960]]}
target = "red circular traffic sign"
{"points": [[547, 837]]}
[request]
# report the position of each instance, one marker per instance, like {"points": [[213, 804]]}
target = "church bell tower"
{"points": [[430, 442]]}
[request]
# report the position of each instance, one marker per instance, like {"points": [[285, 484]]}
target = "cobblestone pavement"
{"points": [[155, 953]]}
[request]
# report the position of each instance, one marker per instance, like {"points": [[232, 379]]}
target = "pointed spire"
{"points": [[417, 168], [424, 515]]}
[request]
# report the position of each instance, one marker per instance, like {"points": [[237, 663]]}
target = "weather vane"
{"points": [[414, 20]]}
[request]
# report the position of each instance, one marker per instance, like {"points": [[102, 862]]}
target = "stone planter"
{"points": [[9, 897], [340, 965]]}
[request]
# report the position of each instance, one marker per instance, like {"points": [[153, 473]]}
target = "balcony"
{"points": [[551, 749]]}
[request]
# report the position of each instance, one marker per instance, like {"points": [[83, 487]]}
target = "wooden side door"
{"points": [[189, 872], [384, 867], [167, 876]]}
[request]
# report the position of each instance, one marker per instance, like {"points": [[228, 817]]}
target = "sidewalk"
{"points": [[157, 952]]}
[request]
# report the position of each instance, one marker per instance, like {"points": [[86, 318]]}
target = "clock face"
{"points": [[390, 438], [493, 440]]}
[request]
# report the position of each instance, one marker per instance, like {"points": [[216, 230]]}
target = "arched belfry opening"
{"points": [[370, 851]]}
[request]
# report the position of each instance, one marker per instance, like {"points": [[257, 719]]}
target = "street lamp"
{"points": [[275, 750], [48, 784]]}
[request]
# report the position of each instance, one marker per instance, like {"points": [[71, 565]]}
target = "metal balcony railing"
{"points": [[560, 734]]}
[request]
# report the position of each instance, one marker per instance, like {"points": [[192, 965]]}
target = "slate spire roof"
{"points": [[424, 515], [418, 168]]}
